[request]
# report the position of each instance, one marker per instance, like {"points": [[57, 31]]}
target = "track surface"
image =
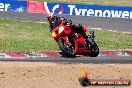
{"points": [[97, 60], [96, 22]]}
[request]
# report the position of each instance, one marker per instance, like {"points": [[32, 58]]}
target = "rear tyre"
{"points": [[66, 48], [94, 50]]}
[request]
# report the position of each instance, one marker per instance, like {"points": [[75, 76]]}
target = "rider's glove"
{"points": [[68, 22], [62, 18]]}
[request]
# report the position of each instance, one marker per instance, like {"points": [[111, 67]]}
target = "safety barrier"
{"points": [[14, 6], [95, 2], [65, 8]]}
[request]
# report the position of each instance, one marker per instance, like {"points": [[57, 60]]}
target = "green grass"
{"points": [[25, 36], [113, 40], [30, 36], [100, 2]]}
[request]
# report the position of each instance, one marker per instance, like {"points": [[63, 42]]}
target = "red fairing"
{"points": [[63, 34], [77, 41], [65, 39]]}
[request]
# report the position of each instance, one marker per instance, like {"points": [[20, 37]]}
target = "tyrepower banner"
{"points": [[79, 9], [100, 11], [64, 8], [12, 5]]}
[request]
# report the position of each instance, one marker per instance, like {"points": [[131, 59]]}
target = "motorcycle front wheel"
{"points": [[66, 48]]}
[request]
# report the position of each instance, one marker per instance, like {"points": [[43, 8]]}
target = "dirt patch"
{"points": [[52, 75]]}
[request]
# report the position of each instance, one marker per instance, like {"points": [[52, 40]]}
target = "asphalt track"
{"points": [[119, 24], [96, 22], [78, 60]]}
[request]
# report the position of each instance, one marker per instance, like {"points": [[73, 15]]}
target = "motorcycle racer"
{"points": [[55, 21]]}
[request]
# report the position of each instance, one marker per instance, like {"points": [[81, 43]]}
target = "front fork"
{"points": [[92, 35]]}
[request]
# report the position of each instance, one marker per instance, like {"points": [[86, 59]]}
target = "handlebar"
{"points": [[68, 22]]}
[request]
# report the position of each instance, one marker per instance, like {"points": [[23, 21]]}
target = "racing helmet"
{"points": [[51, 17]]}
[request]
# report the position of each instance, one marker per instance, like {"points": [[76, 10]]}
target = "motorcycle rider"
{"points": [[55, 21]]}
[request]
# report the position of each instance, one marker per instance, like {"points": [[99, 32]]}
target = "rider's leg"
{"points": [[79, 29], [88, 42]]}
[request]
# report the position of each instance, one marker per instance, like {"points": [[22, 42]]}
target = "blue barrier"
{"points": [[15, 6], [89, 10], [64, 8]]}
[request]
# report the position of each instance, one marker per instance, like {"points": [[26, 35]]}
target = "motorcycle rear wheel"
{"points": [[66, 48], [94, 51]]}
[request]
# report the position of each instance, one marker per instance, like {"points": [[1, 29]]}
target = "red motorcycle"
{"points": [[72, 43]]}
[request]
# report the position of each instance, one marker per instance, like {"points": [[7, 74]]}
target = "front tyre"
{"points": [[94, 50], [66, 48]]}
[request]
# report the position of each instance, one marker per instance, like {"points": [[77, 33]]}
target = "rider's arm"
{"points": [[68, 22]]}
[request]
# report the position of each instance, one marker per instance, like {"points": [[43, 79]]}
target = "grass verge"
{"points": [[19, 36]]}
